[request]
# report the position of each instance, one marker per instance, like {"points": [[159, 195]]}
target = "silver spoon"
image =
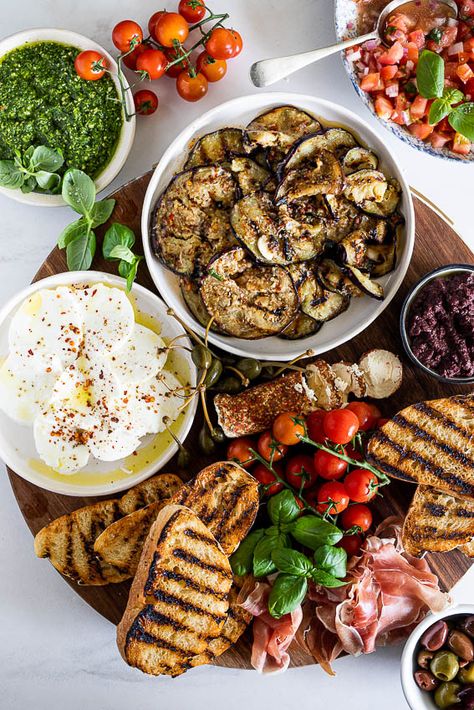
{"points": [[268, 71]]}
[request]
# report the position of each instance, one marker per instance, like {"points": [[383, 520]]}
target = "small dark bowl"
{"points": [[447, 270]]}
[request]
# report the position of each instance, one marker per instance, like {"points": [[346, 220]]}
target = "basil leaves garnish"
{"points": [[287, 593], [35, 170], [430, 74], [313, 532]]}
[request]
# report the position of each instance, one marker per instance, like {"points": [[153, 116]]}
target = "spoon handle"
{"points": [[268, 71]]}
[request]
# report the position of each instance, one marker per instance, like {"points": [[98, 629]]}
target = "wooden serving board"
{"points": [[436, 244]]}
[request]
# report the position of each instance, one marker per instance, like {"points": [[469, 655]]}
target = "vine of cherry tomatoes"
{"points": [[320, 458]]}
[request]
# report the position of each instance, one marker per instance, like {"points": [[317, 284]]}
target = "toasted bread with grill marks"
{"points": [[179, 597], [69, 540], [431, 443], [438, 522]]}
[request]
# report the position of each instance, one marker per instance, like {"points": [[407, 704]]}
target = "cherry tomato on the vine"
{"points": [[299, 471], [332, 498], [357, 515], [213, 69], [312, 497], [287, 428], [238, 43], [152, 23], [170, 28], [364, 414], [376, 413], [221, 44], [381, 422], [90, 65], [329, 466], [192, 10], [191, 88], [153, 62], [361, 485], [130, 60], [353, 453], [264, 476], [126, 34], [340, 425], [239, 449], [314, 426], [146, 102], [267, 445], [351, 544], [175, 70]]}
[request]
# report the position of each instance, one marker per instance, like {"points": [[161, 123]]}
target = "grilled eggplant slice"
{"points": [[246, 300], [335, 278], [389, 202], [378, 230], [316, 301], [359, 159], [383, 258], [344, 215], [353, 249], [216, 147], [302, 327], [331, 305], [191, 220], [192, 297], [365, 186], [365, 284], [250, 176], [319, 175], [335, 140]]}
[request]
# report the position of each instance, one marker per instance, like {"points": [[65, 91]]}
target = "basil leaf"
{"points": [[117, 234], [287, 593], [47, 181], [430, 74], [122, 252], [241, 560], [283, 508], [80, 252], [313, 532], [292, 562], [262, 555], [133, 272], [29, 184], [101, 212], [461, 119], [435, 34], [27, 154], [452, 96], [10, 175], [72, 231], [44, 158], [331, 559], [124, 269], [325, 579], [78, 191], [442, 107]]}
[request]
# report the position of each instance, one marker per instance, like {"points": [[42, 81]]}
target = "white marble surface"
{"points": [[56, 652]]}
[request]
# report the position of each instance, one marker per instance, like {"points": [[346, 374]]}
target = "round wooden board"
{"points": [[436, 244]]}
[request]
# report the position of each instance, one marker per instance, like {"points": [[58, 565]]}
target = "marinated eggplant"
{"points": [[388, 204], [192, 297], [364, 283], [359, 159], [353, 250], [216, 147], [335, 140], [319, 175], [247, 300], [316, 301], [302, 327], [250, 176], [191, 221], [334, 278]]}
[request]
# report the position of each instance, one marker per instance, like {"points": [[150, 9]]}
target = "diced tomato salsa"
{"points": [[388, 74]]}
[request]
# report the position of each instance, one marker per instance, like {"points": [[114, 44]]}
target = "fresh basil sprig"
{"points": [[430, 82], [35, 170], [117, 246]]}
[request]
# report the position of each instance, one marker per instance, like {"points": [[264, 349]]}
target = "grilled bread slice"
{"points": [[438, 522], [179, 596], [430, 443], [69, 540]]}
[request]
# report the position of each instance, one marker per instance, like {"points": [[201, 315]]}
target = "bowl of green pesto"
{"points": [[43, 102]]}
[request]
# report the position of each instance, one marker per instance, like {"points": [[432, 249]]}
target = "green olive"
{"points": [[466, 674], [230, 385], [444, 665], [201, 356], [446, 695], [213, 374], [249, 367], [206, 443], [218, 435]]}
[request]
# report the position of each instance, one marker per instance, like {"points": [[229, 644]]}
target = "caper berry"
{"points": [[184, 457], [466, 674], [446, 695], [444, 665], [213, 374], [249, 367], [218, 435], [461, 645], [424, 658], [206, 443], [201, 356], [229, 385]]}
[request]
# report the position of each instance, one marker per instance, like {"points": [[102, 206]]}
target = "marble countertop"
{"points": [[56, 652]]}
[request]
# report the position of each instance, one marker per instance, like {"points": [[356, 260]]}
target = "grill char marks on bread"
{"points": [[178, 602]]}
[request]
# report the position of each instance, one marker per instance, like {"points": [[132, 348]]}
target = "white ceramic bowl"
{"points": [[239, 112], [127, 134], [418, 699], [17, 447]]}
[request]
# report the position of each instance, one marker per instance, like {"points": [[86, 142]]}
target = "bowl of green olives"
{"points": [[437, 668]]}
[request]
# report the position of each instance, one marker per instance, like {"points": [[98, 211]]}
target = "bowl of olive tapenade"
{"points": [[437, 667], [44, 103], [437, 323]]}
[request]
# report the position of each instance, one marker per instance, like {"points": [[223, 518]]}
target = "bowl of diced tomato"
{"points": [[420, 81]]}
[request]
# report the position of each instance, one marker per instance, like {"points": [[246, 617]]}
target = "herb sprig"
{"points": [[117, 246], [35, 170]]}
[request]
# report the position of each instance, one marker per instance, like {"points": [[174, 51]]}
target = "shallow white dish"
{"points": [[17, 447], [239, 112], [418, 699], [127, 134]]}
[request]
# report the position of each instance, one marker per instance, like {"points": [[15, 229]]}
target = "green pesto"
{"points": [[44, 102]]}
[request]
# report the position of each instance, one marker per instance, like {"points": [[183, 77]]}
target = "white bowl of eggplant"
{"points": [[281, 223]]}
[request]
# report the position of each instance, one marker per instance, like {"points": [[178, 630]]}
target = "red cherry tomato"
{"points": [[351, 544], [287, 430], [300, 471], [191, 10], [312, 497], [363, 412], [239, 450], [340, 425], [314, 426], [175, 70], [376, 413], [221, 44], [267, 445], [146, 102], [152, 23], [357, 515], [127, 34], [238, 43], [353, 453], [381, 422], [329, 466], [90, 65], [171, 28], [213, 69], [130, 60], [191, 88], [361, 485], [332, 498], [153, 62], [265, 477]]}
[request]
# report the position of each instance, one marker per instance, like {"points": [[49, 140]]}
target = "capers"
{"points": [[218, 435], [206, 443], [446, 695], [466, 674], [426, 680], [213, 374], [230, 385], [249, 367], [201, 356], [424, 658], [444, 665], [461, 645]]}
